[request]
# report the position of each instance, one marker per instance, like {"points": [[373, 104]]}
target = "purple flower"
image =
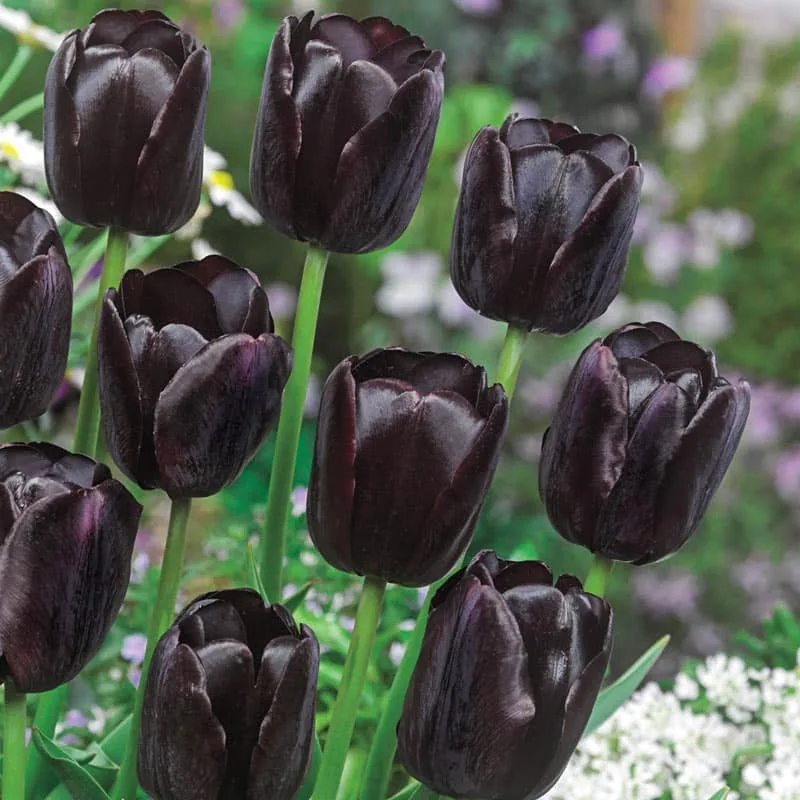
{"points": [[133, 648], [299, 498], [668, 74], [787, 475], [75, 719], [228, 13], [603, 42], [478, 7]]}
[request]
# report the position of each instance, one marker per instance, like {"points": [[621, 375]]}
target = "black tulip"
{"points": [[229, 703], [345, 130], [191, 374], [507, 677], [407, 444], [35, 309], [641, 439], [543, 223], [124, 112], [67, 530]]}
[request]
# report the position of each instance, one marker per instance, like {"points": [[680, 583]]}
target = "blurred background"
{"points": [[709, 90]]}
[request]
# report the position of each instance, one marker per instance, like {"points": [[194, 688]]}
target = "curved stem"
{"points": [[511, 358], [16, 719], [23, 108], [273, 540], [18, 63], [163, 613], [597, 578], [88, 430], [345, 708]]}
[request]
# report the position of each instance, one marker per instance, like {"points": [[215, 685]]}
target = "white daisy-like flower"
{"points": [[27, 31], [23, 153]]}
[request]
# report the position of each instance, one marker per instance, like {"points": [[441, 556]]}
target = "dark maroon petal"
{"points": [[158, 34], [481, 254], [35, 323], [120, 392], [209, 622], [282, 754], [675, 358], [584, 450], [381, 169], [277, 137], [332, 482], [516, 573], [643, 378], [402, 58], [634, 340], [172, 155], [216, 411], [64, 570], [26, 231], [114, 26], [384, 33], [614, 150], [588, 269], [700, 462], [181, 743], [346, 35], [627, 524]]}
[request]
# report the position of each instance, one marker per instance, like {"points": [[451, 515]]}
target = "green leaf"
{"points": [[116, 741], [294, 602], [407, 792], [721, 794], [612, 697], [78, 781], [253, 573]]}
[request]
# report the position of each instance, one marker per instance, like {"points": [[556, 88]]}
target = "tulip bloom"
{"points": [[543, 224], [67, 530], [407, 444], [509, 672], [124, 112], [345, 130], [639, 444], [35, 309], [191, 374], [229, 703]]}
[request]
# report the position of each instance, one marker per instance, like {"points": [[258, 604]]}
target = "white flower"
{"points": [[410, 283], [22, 152], [707, 319], [222, 191], [26, 31], [201, 248]]}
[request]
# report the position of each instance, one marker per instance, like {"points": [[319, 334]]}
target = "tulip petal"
{"points": [[216, 411], [346, 35], [111, 26], [380, 172], [403, 58], [636, 340], [277, 137], [332, 483], [588, 268], [64, 570], [26, 230], [384, 33], [35, 322], [481, 255], [612, 149], [518, 132], [169, 172], [282, 754], [583, 452], [699, 464], [181, 743]]}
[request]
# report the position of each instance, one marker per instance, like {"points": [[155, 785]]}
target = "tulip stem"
{"points": [[348, 697], [290, 423], [597, 578], [18, 63], [162, 614], [16, 718], [87, 432], [511, 358]]}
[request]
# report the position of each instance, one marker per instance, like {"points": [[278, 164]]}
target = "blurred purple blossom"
{"points": [[665, 252], [282, 300], [603, 42], [668, 74], [786, 473], [92, 274], [763, 423], [133, 648], [313, 394], [228, 13], [75, 719], [707, 319], [299, 500], [478, 6], [134, 676], [674, 593]]}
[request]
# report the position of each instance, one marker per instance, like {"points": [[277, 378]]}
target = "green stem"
{"points": [[511, 358], [273, 541], [597, 579], [23, 108], [162, 615], [88, 430], [407, 792], [381, 755], [16, 718], [345, 708], [18, 63]]}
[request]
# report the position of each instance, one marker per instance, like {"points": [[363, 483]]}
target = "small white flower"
{"points": [[27, 32], [22, 152], [201, 248], [410, 283]]}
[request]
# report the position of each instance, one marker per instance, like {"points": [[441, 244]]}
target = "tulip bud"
{"points": [[639, 444], [191, 374], [543, 224], [35, 309], [407, 444], [509, 672], [229, 703], [124, 111], [345, 130], [67, 530]]}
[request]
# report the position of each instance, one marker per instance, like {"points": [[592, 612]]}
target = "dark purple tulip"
{"points": [[191, 374], [507, 677], [345, 130], [543, 223], [229, 703], [407, 444], [124, 112], [640, 442], [67, 530], [35, 309]]}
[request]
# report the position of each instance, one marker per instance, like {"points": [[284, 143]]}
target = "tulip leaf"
{"points": [[78, 781], [116, 741], [253, 574], [407, 792], [294, 602], [721, 794], [612, 697]]}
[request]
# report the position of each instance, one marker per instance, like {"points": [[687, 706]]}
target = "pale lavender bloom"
{"points": [[786, 473], [755, 574], [706, 638], [27, 736], [69, 740], [139, 565], [228, 13], [763, 424], [282, 300], [665, 252], [313, 395], [75, 719], [603, 42], [135, 676], [707, 319], [668, 74], [133, 648], [478, 6], [668, 594], [790, 405], [299, 499], [453, 311], [410, 282]]}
